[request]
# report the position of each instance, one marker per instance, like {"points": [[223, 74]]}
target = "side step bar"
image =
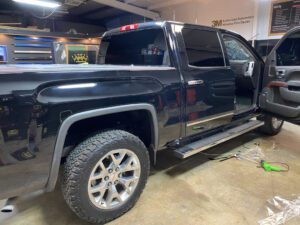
{"points": [[203, 144]]}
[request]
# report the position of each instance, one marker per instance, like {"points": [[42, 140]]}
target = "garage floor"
{"points": [[195, 191]]}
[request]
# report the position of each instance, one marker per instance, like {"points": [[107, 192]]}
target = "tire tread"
{"points": [[77, 160]]}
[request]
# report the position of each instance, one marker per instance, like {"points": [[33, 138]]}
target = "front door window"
{"points": [[242, 63]]}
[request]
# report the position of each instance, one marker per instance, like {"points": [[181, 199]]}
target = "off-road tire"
{"points": [[80, 163]]}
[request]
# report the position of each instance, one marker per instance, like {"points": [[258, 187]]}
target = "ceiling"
{"points": [[105, 13]]}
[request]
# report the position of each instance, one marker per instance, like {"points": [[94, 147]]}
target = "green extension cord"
{"points": [[270, 166]]}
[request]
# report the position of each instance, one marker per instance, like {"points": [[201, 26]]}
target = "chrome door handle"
{"points": [[195, 82]]}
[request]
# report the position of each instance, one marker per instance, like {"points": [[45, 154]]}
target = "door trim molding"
{"points": [[231, 113]]}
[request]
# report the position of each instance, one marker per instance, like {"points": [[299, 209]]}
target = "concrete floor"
{"points": [[195, 191]]}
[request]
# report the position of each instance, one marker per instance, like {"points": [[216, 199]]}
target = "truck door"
{"points": [[281, 83], [209, 83]]}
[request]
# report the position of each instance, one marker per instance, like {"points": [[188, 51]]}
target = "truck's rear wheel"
{"points": [[272, 125], [105, 175]]}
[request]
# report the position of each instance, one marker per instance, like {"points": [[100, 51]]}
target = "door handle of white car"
{"points": [[195, 82]]}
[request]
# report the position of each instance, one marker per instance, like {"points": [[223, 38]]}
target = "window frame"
{"points": [[221, 43]]}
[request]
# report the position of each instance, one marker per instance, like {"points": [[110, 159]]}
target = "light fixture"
{"points": [[43, 3], [74, 86]]}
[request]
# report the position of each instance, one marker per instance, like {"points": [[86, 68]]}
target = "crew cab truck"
{"points": [[158, 85]]}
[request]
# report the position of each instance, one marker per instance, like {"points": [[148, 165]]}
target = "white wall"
{"points": [[236, 15], [250, 18], [264, 20]]}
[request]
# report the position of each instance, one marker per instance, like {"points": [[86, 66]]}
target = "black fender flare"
{"points": [[67, 123]]}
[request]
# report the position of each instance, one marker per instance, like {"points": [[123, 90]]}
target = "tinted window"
{"points": [[203, 48], [288, 53], [264, 47], [144, 47], [236, 51]]}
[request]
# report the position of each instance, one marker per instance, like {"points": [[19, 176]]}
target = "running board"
{"points": [[203, 144]]}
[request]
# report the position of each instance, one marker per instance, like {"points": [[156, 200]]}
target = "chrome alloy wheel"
{"points": [[114, 179], [276, 123]]}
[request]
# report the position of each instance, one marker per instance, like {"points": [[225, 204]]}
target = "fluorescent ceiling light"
{"points": [[43, 3]]}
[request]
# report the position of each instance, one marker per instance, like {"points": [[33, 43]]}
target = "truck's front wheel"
{"points": [[272, 125], [105, 175]]}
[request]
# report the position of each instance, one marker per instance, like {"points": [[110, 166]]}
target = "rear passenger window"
{"points": [[203, 48], [288, 53]]}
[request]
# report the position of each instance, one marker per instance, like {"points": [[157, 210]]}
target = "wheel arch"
{"points": [[67, 123]]}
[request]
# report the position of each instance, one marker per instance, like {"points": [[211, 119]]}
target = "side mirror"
{"points": [[249, 69]]}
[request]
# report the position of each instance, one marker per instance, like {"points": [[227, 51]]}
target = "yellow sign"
{"points": [[80, 58], [232, 21]]}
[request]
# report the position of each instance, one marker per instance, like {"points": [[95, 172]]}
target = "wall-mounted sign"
{"points": [[3, 55], [81, 54], [285, 14], [232, 21]]}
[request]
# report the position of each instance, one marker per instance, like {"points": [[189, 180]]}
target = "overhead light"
{"points": [[43, 3]]}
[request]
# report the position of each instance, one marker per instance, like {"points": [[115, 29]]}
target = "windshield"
{"points": [[144, 47]]}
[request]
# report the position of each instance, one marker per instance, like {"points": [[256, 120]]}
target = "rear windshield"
{"points": [[144, 47]]}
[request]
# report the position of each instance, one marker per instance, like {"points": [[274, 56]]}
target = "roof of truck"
{"points": [[160, 24], [152, 25]]}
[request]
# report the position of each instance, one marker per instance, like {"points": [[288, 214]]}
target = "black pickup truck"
{"points": [[158, 85]]}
